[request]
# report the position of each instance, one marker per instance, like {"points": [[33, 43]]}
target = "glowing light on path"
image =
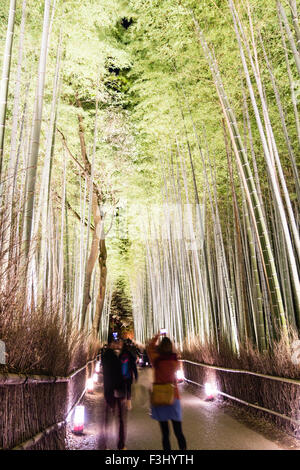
{"points": [[78, 423], [180, 375], [90, 385], [210, 390], [95, 378]]}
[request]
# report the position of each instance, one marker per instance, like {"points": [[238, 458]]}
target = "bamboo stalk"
{"points": [[6, 76]]}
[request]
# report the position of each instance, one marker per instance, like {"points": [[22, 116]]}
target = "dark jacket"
{"points": [[112, 374]]}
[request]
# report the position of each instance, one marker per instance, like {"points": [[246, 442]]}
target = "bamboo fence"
{"points": [[275, 398], [34, 409]]}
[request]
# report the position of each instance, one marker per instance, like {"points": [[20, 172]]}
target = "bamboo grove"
{"points": [[229, 277], [187, 109], [53, 247]]}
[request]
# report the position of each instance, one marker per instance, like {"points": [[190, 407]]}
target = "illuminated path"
{"points": [[206, 425]]}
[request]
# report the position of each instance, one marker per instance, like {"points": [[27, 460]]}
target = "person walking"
{"points": [[145, 358], [165, 364], [102, 352], [114, 390], [129, 370]]}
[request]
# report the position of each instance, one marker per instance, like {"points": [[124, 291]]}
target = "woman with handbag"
{"points": [[165, 402]]}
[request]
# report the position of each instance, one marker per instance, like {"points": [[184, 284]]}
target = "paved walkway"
{"points": [[206, 425]]}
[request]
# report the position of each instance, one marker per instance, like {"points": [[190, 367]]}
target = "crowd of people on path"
{"points": [[119, 360]]}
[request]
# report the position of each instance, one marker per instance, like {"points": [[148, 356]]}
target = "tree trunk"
{"points": [[91, 260], [102, 286]]}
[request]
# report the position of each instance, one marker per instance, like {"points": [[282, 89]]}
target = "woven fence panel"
{"points": [[280, 397], [27, 409]]}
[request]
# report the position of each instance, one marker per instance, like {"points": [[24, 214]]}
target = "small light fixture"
{"points": [[95, 378], [97, 367], [210, 391], [90, 385], [180, 375], [78, 421]]}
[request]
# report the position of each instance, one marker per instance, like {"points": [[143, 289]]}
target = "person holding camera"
{"points": [[165, 400]]}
